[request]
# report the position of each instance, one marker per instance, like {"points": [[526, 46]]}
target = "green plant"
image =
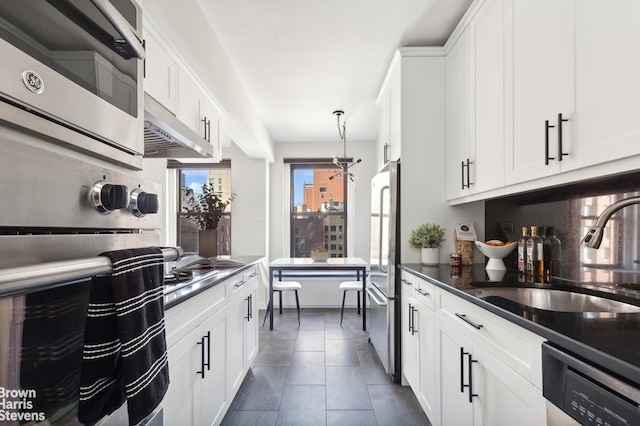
{"points": [[208, 209], [428, 235]]}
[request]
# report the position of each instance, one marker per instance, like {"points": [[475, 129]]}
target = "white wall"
{"points": [[422, 160], [359, 197], [249, 214]]}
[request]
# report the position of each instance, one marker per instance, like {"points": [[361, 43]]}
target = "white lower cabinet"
{"points": [[242, 348], [476, 388], [418, 350], [213, 340], [197, 366], [466, 365]]}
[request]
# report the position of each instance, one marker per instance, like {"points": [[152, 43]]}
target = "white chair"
{"points": [[280, 286], [350, 286]]}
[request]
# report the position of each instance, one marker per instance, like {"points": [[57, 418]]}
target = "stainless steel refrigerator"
{"points": [[383, 290]]}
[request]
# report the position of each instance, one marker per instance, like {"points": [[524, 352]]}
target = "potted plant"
{"points": [[206, 212], [429, 238]]}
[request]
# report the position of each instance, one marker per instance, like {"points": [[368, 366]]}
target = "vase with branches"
{"points": [[208, 209], [206, 212]]}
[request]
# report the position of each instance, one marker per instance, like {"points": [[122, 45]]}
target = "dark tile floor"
{"points": [[320, 373]]}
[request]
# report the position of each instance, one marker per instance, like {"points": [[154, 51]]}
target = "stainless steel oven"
{"points": [[579, 391], [74, 66], [59, 210]]}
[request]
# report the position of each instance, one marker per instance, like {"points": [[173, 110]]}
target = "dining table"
{"points": [[307, 264]]}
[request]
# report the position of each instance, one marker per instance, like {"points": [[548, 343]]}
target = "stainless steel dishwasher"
{"points": [[579, 391]]}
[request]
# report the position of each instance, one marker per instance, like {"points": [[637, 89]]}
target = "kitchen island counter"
{"points": [[608, 339]]}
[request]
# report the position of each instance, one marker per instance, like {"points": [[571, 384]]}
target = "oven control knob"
{"points": [[143, 203], [107, 197]]}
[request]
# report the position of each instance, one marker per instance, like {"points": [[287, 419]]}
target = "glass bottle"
{"points": [[535, 254], [555, 248], [522, 251]]}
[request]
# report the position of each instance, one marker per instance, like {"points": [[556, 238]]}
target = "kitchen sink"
{"points": [[556, 300]]}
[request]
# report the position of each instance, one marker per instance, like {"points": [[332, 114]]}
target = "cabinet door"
{"points": [[541, 85], [384, 136], [395, 114], [189, 104], [410, 324], [458, 118], [488, 115], [503, 395], [452, 374], [427, 390], [212, 123], [236, 343], [161, 73], [607, 121], [251, 325], [184, 361], [213, 399]]}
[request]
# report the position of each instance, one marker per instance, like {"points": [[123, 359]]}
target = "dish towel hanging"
{"points": [[125, 351]]}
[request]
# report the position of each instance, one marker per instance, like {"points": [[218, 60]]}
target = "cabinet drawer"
{"points": [[408, 284], [515, 346], [239, 283], [422, 290], [425, 293], [184, 317]]}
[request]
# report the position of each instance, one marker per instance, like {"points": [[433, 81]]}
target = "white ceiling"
{"points": [[301, 59]]}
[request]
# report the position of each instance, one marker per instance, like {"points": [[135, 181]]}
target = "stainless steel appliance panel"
{"points": [[586, 392], [49, 189], [384, 330], [68, 64]]}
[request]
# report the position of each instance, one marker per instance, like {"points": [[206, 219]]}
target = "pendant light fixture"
{"points": [[343, 163]]}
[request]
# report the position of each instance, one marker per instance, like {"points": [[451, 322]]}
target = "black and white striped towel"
{"points": [[125, 354]]}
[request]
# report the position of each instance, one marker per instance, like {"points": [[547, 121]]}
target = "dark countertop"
{"points": [[610, 340], [202, 280]]}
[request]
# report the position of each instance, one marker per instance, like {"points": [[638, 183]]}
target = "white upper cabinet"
{"points": [[390, 109], [458, 148], [487, 31], [476, 104], [170, 82], [161, 72], [607, 79], [576, 92], [542, 86]]}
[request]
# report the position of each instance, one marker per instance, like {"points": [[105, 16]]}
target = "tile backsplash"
{"points": [[572, 210]]}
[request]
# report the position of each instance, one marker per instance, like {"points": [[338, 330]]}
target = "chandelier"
{"points": [[343, 163]]}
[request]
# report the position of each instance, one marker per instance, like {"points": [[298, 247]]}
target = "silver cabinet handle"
{"points": [[464, 318], [407, 282], [422, 292], [240, 283]]}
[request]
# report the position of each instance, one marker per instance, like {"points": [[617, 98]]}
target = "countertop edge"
{"points": [[223, 275], [589, 353]]}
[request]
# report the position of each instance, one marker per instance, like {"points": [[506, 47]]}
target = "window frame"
{"points": [[178, 166], [313, 164]]}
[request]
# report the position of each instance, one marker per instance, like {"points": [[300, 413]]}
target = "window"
{"points": [[318, 208], [191, 178]]}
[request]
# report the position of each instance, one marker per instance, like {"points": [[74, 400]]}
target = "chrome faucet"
{"points": [[593, 237]]}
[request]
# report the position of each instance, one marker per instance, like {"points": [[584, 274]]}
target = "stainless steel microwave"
{"points": [[72, 72]]}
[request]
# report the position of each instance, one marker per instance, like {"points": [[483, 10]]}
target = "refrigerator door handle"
{"points": [[381, 228], [375, 298]]}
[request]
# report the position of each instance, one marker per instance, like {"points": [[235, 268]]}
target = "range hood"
{"points": [[167, 137]]}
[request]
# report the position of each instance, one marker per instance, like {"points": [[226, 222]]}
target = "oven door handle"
{"points": [[375, 297], [122, 26]]}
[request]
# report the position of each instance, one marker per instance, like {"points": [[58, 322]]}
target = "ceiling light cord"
{"points": [[343, 163]]}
